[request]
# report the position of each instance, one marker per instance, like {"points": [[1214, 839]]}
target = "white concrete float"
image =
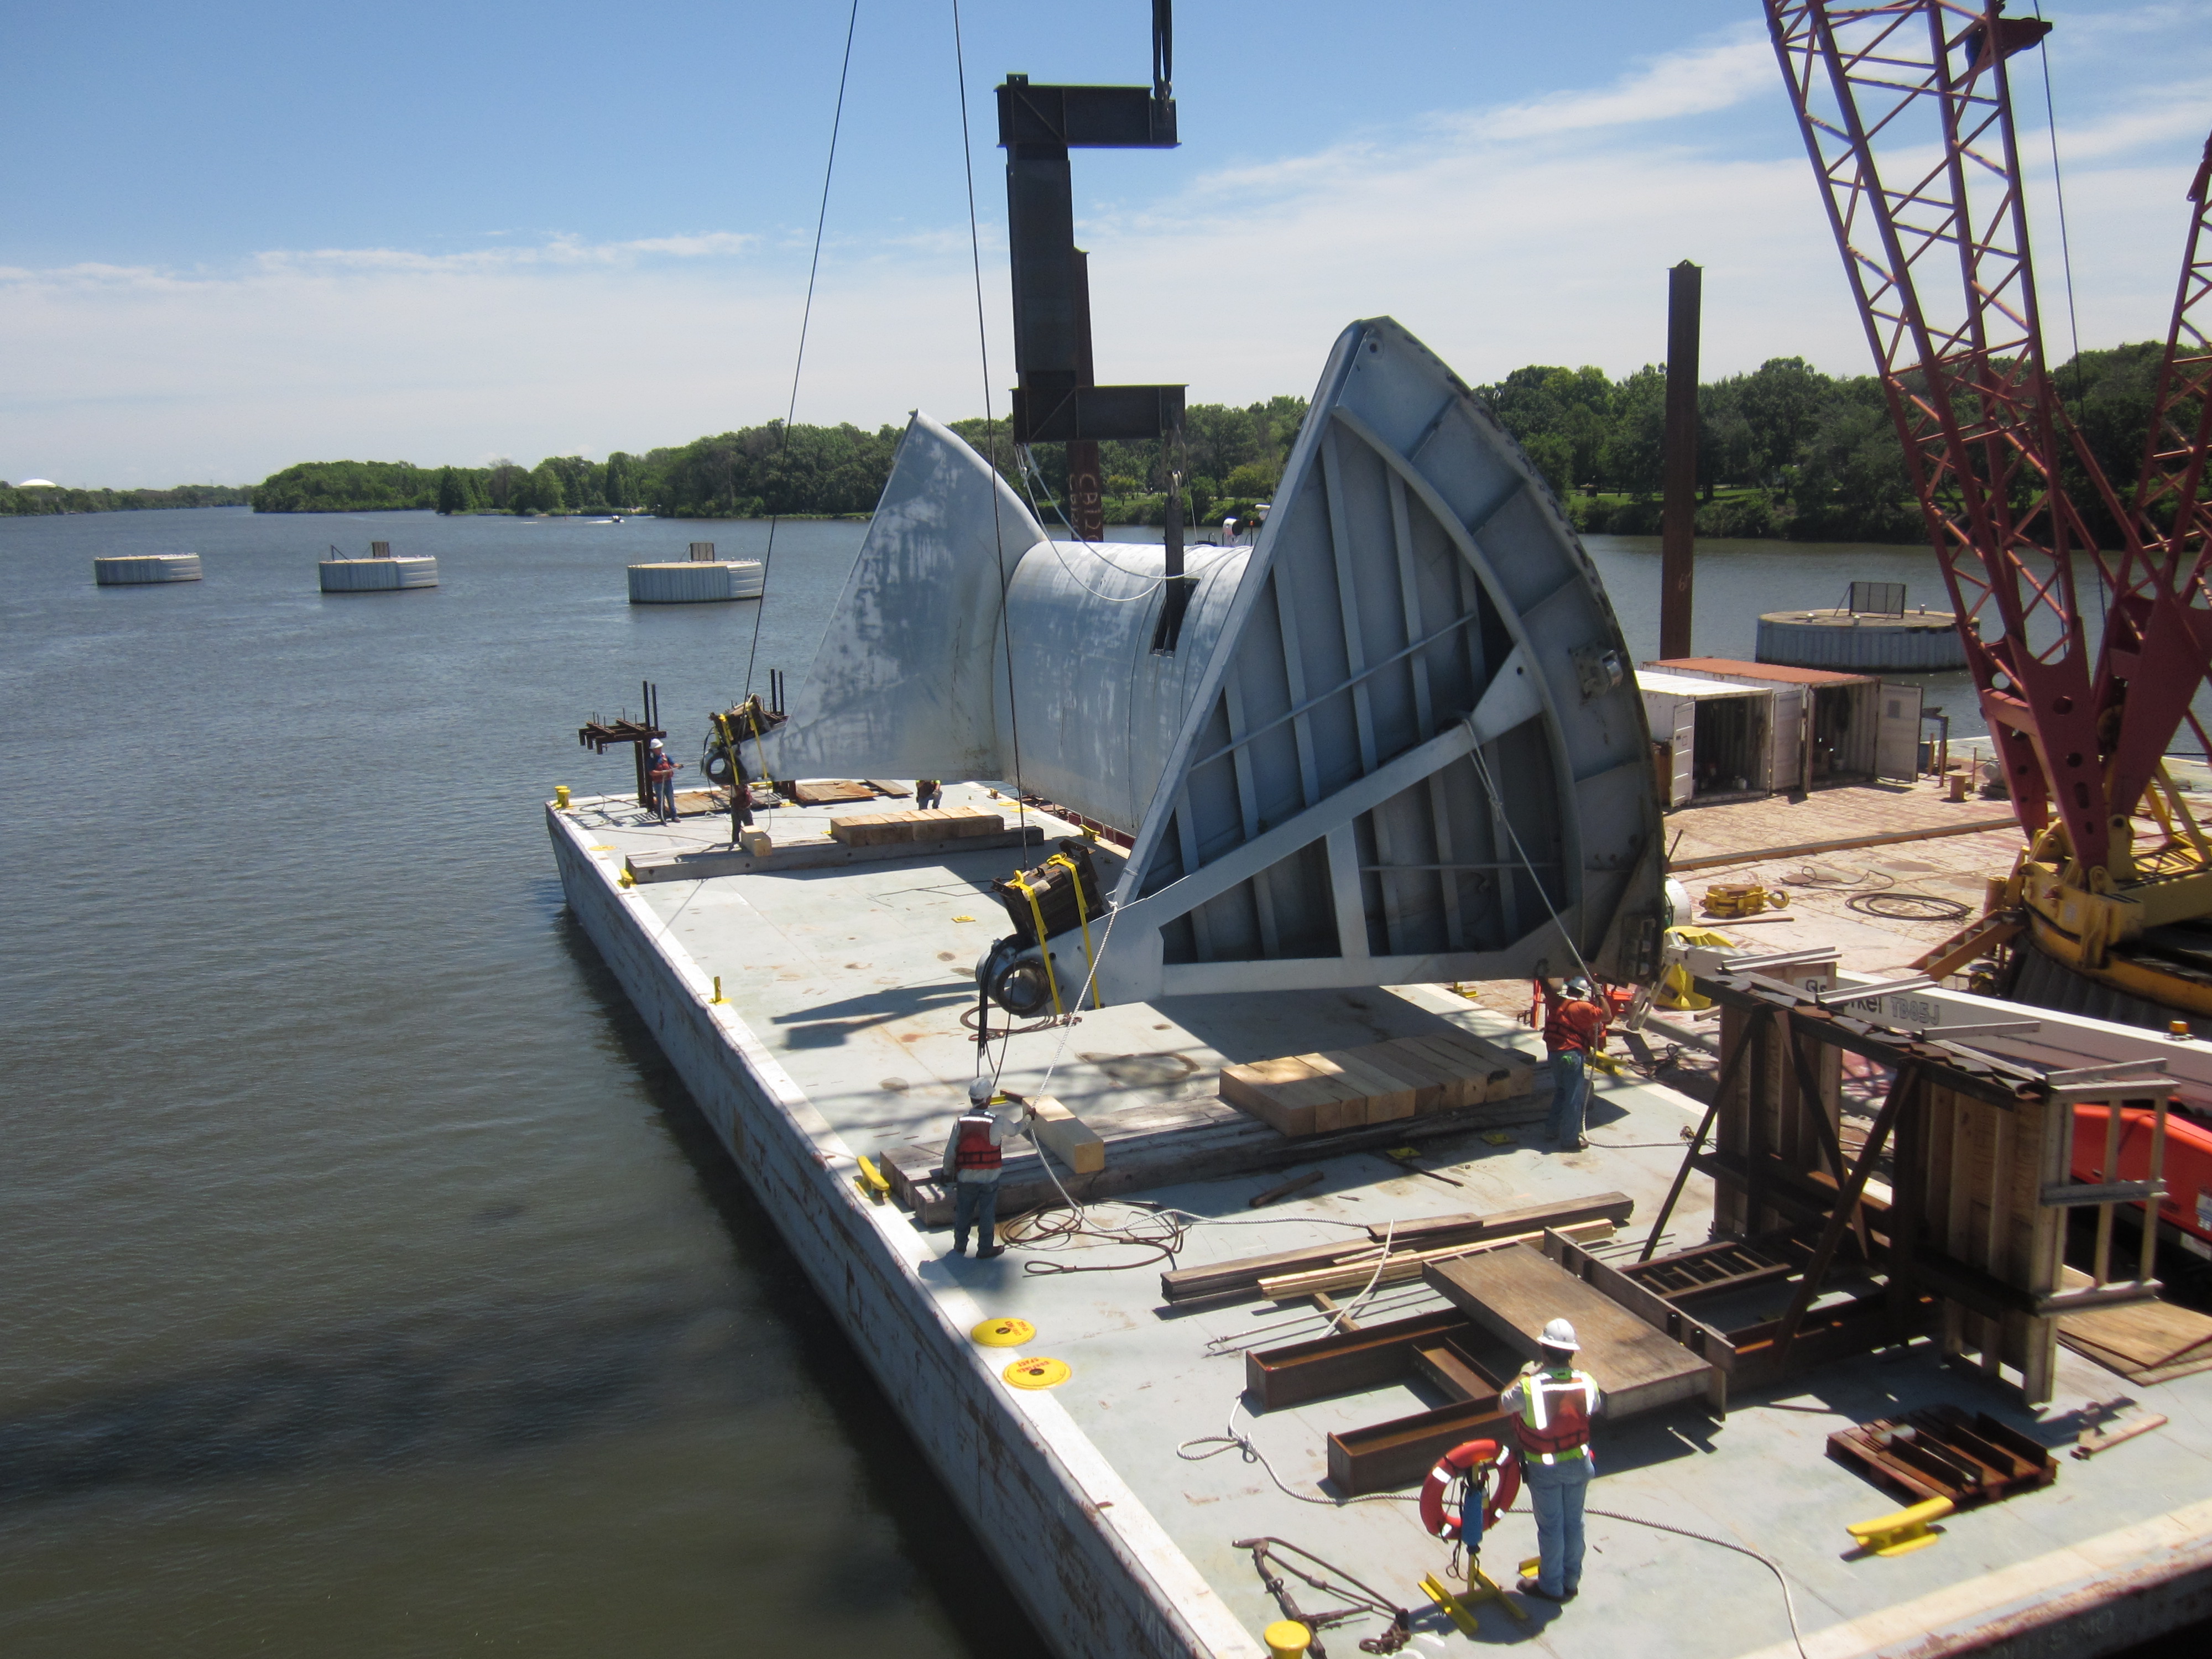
{"points": [[386, 575], [703, 582], [142, 569]]}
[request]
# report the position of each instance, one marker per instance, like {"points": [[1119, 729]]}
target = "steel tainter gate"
{"points": [[1396, 741]]}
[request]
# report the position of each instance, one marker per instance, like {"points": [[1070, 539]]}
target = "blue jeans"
{"points": [[975, 1203], [664, 795], [1569, 1095], [1556, 1493]]}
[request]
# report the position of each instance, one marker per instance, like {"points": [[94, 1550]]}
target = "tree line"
{"points": [[1786, 451], [1783, 452], [16, 502]]}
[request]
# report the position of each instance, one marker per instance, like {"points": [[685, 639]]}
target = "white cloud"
{"points": [[1537, 232]]}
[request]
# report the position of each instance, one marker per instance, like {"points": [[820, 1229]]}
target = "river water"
{"points": [[372, 1287]]}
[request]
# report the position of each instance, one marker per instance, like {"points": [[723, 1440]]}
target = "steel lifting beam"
{"points": [[1058, 400]]}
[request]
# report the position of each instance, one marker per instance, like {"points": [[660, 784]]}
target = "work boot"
{"points": [[987, 1251], [959, 1246], [1530, 1587]]}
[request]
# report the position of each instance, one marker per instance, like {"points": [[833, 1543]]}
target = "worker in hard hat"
{"points": [[660, 770], [1552, 1403], [1574, 1029], [972, 1162]]}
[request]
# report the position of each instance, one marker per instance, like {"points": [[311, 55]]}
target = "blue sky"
{"points": [[241, 234]]}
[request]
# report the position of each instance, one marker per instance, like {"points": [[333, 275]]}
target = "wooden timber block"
{"points": [[1428, 1081], [1506, 1073], [1287, 1095], [872, 828], [952, 823], [1470, 1073], [1066, 1137], [1455, 1085], [1383, 1097]]}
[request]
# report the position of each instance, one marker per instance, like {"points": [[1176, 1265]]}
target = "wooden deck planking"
{"points": [[1515, 1294]]}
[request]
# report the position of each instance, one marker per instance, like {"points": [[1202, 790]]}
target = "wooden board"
{"points": [[829, 792], [1514, 1293], [1163, 1146], [2144, 1341]]}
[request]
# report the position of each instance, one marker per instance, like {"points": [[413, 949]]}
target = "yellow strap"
{"points": [[1082, 914], [1044, 949]]}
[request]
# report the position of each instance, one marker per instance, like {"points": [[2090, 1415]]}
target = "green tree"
{"points": [[453, 494]]}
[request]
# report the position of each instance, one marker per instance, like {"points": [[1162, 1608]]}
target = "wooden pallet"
{"points": [[1938, 1452], [1447, 1069]]}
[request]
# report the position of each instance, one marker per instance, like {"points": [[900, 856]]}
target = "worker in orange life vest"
{"points": [[1574, 1029], [971, 1163], [1552, 1403]]}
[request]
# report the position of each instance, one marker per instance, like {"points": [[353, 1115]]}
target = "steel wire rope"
{"points": [[806, 318], [2058, 190], [1029, 471], [1489, 788], [1229, 1439], [998, 528]]}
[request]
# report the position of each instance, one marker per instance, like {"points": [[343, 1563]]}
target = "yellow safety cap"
{"points": [[1038, 1373], [1531, 1567], [1286, 1638], [963, 918], [1004, 1333], [1499, 1138]]}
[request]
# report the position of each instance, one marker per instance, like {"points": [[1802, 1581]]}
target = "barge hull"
{"points": [[1107, 1585]]}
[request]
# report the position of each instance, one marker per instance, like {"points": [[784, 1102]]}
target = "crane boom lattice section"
{"points": [[1907, 118]]}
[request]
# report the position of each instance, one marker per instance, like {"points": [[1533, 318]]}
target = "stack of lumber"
{"points": [[1444, 1070], [1340, 1266], [946, 824]]}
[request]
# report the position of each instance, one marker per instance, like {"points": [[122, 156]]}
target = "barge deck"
{"points": [[1112, 1502]]}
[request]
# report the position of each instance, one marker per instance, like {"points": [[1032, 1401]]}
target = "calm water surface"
{"points": [[371, 1287]]}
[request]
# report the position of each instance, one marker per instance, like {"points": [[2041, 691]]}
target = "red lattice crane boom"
{"points": [[1940, 263], [1906, 112], [2173, 519]]}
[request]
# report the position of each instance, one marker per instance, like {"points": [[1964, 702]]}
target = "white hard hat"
{"points": [[982, 1089], [657, 743], [1560, 1334]]}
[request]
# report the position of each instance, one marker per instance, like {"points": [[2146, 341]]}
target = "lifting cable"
{"points": [[983, 354], [2058, 189], [1498, 807], [805, 317]]}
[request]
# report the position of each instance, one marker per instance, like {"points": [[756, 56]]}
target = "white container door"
{"points": [[1786, 750], [1897, 731], [1684, 784]]}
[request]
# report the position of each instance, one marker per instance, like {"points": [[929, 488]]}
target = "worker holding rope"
{"points": [[972, 1161], [1574, 1031], [1552, 1402]]}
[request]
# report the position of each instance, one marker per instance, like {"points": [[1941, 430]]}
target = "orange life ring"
{"points": [[1471, 1461]]}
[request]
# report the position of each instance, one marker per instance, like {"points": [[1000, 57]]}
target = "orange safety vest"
{"points": [[1554, 1421], [1578, 1025], [975, 1150]]}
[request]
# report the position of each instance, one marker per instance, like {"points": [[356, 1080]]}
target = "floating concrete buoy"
{"points": [[1856, 642], [694, 582], [385, 575], [137, 569]]}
